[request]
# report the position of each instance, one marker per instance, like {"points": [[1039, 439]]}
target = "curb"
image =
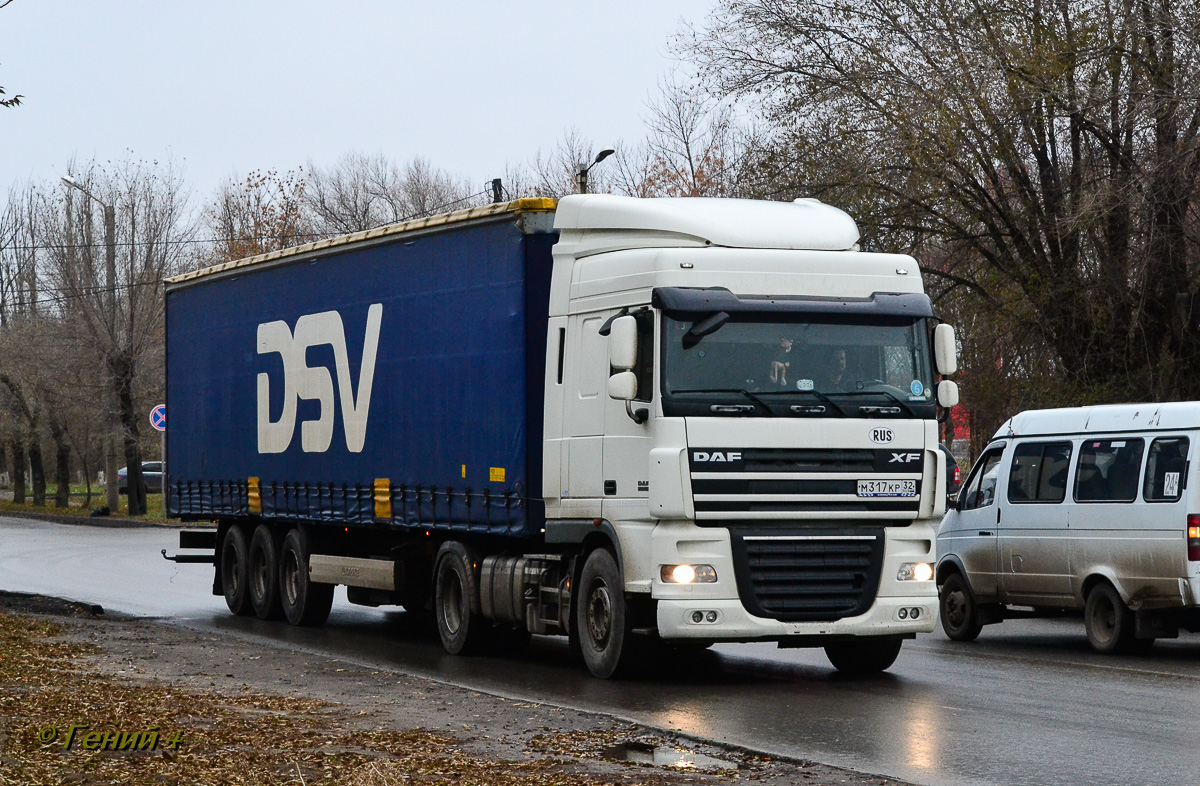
{"points": [[111, 522]]}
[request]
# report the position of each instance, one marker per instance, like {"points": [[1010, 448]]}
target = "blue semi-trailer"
{"points": [[504, 415]]}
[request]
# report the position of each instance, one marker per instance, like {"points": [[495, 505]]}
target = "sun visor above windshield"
{"points": [[682, 302]]}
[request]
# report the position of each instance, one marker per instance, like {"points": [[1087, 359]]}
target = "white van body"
{"points": [[1084, 508]]}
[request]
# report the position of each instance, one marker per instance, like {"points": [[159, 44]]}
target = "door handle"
{"points": [[985, 532]]}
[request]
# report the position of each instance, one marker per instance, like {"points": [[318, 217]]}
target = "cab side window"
{"points": [[1166, 468], [980, 490], [1108, 470], [1039, 472]]}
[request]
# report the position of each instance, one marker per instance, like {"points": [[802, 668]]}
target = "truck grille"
{"points": [[806, 576], [784, 483]]}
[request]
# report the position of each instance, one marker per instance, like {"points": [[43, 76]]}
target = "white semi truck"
{"points": [[630, 421]]}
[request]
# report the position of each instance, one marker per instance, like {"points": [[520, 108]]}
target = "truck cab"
{"points": [[743, 407]]}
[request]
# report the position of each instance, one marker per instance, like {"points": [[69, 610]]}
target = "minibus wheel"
{"points": [[959, 612], [1108, 620]]}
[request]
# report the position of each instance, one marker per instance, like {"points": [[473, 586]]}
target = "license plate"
{"points": [[887, 488]]}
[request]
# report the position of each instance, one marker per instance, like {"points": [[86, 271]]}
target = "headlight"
{"points": [[688, 574], [915, 571]]}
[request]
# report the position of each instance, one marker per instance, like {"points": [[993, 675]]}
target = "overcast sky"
{"points": [[227, 86]]}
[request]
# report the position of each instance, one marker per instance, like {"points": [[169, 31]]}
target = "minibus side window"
{"points": [[1039, 472], [1166, 467], [981, 488], [1108, 470]]}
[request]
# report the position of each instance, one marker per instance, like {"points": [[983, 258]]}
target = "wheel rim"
{"points": [[452, 602], [258, 565], [291, 578], [1104, 620], [599, 614], [230, 569], [954, 607]]}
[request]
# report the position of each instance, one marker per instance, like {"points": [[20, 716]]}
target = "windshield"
{"points": [[804, 365]]}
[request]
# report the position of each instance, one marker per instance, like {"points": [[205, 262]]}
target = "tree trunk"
{"points": [[17, 451], [133, 449], [62, 467], [38, 471]]}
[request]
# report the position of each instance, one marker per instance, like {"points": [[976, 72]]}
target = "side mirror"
{"points": [[623, 386], [945, 351], [947, 393], [952, 501], [622, 345]]}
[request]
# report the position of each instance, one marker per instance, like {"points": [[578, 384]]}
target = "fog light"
{"points": [[916, 612], [915, 571], [902, 614], [688, 574], [697, 617]]}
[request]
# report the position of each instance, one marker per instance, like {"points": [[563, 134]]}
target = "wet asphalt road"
{"points": [[1028, 703]]}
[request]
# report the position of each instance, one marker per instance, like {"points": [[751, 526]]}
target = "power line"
{"points": [[64, 294], [230, 240]]}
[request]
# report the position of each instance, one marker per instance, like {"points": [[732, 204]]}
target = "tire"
{"points": [[264, 574], [865, 656], [602, 618], [461, 627], [1108, 620], [306, 603], [235, 576], [958, 610]]}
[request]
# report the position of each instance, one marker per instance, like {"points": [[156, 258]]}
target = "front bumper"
{"points": [[715, 612]]}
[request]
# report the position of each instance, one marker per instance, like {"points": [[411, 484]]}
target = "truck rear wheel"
{"points": [[865, 656], [235, 570], [602, 617], [461, 627], [264, 574], [305, 602]]}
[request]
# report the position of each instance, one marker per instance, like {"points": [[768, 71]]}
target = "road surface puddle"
{"points": [[665, 756]]}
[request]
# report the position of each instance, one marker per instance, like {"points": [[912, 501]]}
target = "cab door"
{"points": [[973, 537]]}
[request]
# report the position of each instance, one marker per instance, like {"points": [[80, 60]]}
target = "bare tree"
{"points": [[693, 147], [1046, 150], [123, 323], [264, 212], [362, 192]]}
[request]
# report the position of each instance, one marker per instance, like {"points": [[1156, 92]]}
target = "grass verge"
{"points": [[47, 686]]}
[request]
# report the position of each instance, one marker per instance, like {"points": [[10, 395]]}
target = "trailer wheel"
{"points": [[602, 617], [866, 656], [234, 570], [264, 574], [305, 602], [461, 627], [1108, 620]]}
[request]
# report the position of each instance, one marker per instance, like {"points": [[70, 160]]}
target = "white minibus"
{"points": [[1088, 508]]}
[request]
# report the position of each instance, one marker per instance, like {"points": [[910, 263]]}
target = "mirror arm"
{"points": [[638, 416]]}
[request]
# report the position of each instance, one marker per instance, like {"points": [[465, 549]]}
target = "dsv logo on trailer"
{"points": [[301, 381]]}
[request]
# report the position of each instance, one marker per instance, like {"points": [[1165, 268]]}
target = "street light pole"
{"points": [[113, 498], [582, 169]]}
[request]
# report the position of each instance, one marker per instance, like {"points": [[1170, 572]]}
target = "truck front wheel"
{"points": [[865, 656], [305, 602], [602, 617], [235, 571]]}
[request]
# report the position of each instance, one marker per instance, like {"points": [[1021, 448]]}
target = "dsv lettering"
{"points": [[301, 381]]}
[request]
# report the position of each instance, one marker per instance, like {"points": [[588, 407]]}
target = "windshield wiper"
{"points": [[887, 393], [841, 412], [745, 393]]}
